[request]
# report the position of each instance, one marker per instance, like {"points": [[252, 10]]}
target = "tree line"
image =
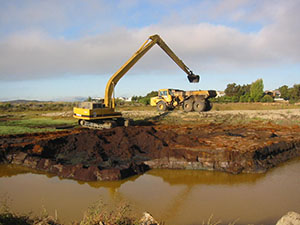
{"points": [[255, 93], [144, 99]]}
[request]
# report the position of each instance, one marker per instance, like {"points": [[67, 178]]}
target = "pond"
{"points": [[178, 197]]}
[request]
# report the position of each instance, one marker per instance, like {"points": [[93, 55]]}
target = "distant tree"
{"points": [[232, 89], [257, 90], [89, 99], [235, 98], [136, 98], [237, 91], [133, 98], [284, 91], [152, 94], [245, 89], [245, 97], [295, 93], [267, 98], [144, 99]]}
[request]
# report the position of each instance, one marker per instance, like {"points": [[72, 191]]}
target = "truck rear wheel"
{"points": [[188, 106], [161, 106], [199, 106]]}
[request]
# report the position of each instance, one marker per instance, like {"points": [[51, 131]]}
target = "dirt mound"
{"points": [[86, 154], [120, 152], [105, 148]]}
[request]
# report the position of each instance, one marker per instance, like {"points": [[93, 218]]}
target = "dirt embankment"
{"points": [[121, 152]]}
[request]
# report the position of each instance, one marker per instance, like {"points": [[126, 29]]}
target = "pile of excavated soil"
{"points": [[120, 152]]}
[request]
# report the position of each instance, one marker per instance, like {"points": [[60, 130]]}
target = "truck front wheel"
{"points": [[161, 106]]}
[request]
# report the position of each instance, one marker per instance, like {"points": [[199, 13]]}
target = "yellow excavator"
{"points": [[102, 115]]}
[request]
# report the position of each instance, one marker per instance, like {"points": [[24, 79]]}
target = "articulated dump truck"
{"points": [[168, 99]]}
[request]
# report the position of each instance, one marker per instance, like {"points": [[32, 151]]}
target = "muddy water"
{"points": [[175, 196]]}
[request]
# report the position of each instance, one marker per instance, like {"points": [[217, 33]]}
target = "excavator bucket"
{"points": [[193, 78]]}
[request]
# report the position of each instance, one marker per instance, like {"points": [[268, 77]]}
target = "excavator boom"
{"points": [[147, 45], [190, 75]]}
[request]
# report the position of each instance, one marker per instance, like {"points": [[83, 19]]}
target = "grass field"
{"points": [[30, 120], [27, 124]]}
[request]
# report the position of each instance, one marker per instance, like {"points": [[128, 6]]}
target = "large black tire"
{"points": [[199, 105], [81, 122], [188, 105], [161, 106], [208, 105]]}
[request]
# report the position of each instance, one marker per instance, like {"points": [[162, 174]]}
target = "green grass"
{"points": [[37, 122], [17, 125], [31, 120]]}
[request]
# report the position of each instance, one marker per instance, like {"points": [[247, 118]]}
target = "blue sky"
{"points": [[63, 49]]}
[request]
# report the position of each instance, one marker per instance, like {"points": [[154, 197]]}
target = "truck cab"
{"points": [[165, 95]]}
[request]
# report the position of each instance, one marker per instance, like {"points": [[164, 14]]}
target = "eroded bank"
{"points": [[121, 152]]}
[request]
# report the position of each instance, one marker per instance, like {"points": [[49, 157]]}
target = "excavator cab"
{"points": [[91, 105]]}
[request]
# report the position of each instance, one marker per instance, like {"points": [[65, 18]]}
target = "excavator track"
{"points": [[103, 124]]}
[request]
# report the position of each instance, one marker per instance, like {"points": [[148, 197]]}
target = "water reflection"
{"points": [[188, 178], [179, 197], [10, 170], [112, 186], [194, 177], [172, 177]]}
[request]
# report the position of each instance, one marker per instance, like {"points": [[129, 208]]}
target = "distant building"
{"points": [[276, 95], [273, 93], [280, 100], [220, 94], [122, 98], [128, 99], [96, 99]]}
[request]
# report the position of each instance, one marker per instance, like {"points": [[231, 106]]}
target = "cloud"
{"points": [[202, 46], [56, 17]]}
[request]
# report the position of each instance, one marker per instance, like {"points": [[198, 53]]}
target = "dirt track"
{"points": [[121, 152]]}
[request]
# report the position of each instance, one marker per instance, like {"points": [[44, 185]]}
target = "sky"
{"points": [[58, 50]]}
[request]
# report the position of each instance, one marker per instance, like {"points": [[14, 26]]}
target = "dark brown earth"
{"points": [[121, 152]]}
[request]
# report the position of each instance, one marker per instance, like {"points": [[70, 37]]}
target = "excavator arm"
{"points": [[190, 75], [152, 40]]}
